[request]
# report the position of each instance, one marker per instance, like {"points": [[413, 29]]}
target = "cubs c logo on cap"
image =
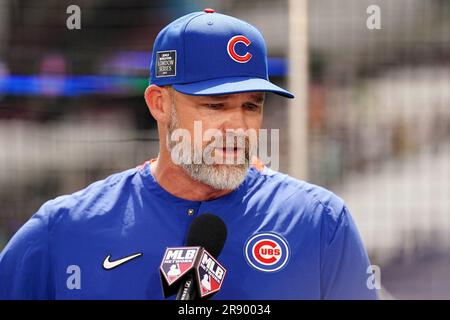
{"points": [[267, 251], [232, 52]]}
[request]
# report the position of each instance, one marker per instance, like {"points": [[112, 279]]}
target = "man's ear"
{"points": [[158, 103]]}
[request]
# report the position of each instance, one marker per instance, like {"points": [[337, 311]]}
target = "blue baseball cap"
{"points": [[208, 53]]}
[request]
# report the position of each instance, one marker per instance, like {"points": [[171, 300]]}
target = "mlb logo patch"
{"points": [[210, 274], [267, 251], [177, 262]]}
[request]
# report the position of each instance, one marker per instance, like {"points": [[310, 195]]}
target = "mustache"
{"points": [[232, 141]]}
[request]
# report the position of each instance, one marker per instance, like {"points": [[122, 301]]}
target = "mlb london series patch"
{"points": [[267, 251], [166, 63]]}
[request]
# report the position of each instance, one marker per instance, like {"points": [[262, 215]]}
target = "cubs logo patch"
{"points": [[267, 251], [231, 49]]}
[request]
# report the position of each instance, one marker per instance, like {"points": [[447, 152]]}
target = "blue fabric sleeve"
{"points": [[344, 260], [24, 262]]}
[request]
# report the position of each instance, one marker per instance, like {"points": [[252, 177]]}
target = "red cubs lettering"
{"points": [[273, 251]]}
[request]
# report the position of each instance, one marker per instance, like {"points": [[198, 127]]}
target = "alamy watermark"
{"points": [[73, 21], [373, 21], [374, 280], [73, 281], [232, 147]]}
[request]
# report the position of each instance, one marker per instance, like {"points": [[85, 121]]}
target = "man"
{"points": [[287, 239]]}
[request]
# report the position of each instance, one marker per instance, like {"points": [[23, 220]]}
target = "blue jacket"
{"points": [[287, 239]]}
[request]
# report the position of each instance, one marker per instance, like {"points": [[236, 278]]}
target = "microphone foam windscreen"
{"points": [[207, 231]]}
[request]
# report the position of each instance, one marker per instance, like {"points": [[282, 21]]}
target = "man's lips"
{"points": [[229, 149]]}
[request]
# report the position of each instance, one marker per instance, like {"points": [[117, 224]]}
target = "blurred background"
{"points": [[371, 120]]}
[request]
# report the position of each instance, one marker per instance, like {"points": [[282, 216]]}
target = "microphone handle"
{"points": [[188, 290]]}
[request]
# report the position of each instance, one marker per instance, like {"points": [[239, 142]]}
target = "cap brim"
{"points": [[223, 86]]}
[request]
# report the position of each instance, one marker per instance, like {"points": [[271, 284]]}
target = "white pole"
{"points": [[298, 84]]}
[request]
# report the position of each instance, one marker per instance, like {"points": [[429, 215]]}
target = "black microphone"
{"points": [[209, 232]]}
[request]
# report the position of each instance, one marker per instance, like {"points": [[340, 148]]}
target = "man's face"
{"points": [[223, 134]]}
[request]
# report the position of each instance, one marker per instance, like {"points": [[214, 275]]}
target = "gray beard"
{"points": [[218, 176]]}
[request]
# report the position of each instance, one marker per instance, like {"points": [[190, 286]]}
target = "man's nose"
{"points": [[235, 119]]}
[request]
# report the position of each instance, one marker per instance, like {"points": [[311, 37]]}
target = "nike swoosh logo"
{"points": [[108, 265]]}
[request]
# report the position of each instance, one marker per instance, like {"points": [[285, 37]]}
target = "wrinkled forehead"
{"points": [[254, 96], [257, 97]]}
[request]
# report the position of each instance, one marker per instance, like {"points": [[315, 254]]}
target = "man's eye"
{"points": [[215, 106], [252, 107]]}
